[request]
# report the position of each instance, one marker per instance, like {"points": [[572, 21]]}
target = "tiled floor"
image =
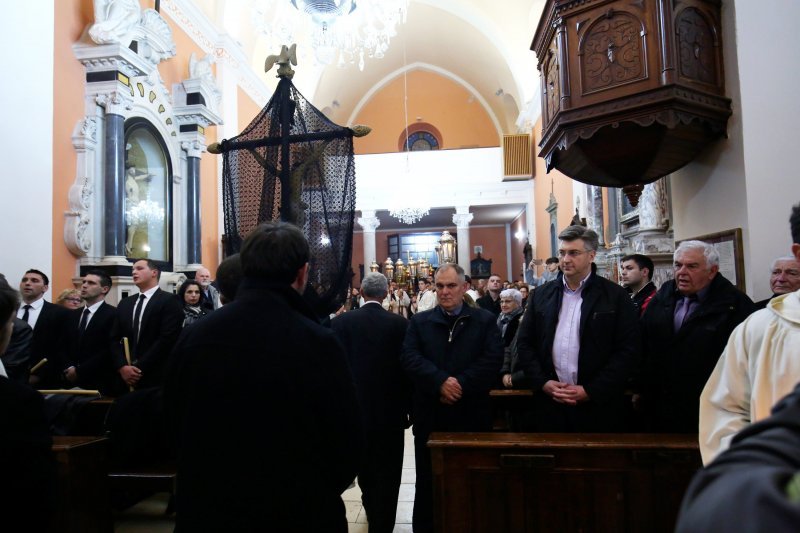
{"points": [[148, 516]]}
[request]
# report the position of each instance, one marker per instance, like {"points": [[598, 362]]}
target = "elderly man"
{"points": [[758, 367], [210, 293], [784, 277], [263, 404], [579, 343], [453, 355], [373, 338], [684, 331]]}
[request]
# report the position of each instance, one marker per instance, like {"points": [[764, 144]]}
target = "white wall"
{"points": [[26, 183], [747, 180]]}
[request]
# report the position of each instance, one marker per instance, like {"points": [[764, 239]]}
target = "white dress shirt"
{"points": [[92, 310], [148, 295], [33, 312], [567, 342]]}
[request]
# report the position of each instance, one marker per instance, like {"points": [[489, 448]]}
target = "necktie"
{"points": [[84, 320], [683, 312], [27, 308], [137, 315]]}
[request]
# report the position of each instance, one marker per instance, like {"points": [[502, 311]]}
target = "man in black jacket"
{"points": [[373, 338], [636, 273], [453, 354], [151, 321], [267, 422], [579, 343], [684, 330], [90, 335]]}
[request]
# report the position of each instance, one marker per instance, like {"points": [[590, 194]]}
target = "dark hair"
{"points": [[467, 278], [152, 265], [229, 275], [105, 279], [44, 276], [274, 251], [551, 260], [591, 241], [794, 223], [642, 261], [9, 301], [185, 286]]}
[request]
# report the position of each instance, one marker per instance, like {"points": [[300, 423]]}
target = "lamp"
{"points": [[400, 272], [388, 269], [409, 215], [374, 267], [344, 31], [446, 249]]}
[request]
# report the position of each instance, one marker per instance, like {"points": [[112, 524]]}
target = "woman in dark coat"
{"points": [[191, 296]]}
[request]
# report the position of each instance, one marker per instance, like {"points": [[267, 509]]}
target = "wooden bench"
{"points": [[560, 482], [508, 406], [83, 503]]}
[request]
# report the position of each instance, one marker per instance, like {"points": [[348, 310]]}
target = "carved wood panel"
{"points": [[613, 52], [697, 57], [552, 85]]}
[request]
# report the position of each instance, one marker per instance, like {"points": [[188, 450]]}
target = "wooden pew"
{"points": [[83, 504], [521, 482], [508, 406]]}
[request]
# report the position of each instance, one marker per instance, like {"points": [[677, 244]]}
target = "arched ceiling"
{"points": [[482, 44]]}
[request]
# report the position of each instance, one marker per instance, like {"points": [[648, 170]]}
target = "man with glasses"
{"points": [[685, 329], [578, 343]]}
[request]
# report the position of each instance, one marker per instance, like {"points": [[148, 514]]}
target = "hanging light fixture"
{"points": [[341, 31], [409, 215]]}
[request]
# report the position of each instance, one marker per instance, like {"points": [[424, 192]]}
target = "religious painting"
{"points": [[731, 254], [147, 194]]}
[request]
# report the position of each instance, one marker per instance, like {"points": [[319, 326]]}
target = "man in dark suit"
{"points": [[579, 343], [151, 321], [684, 330], [373, 338], [262, 403], [47, 321], [90, 335]]}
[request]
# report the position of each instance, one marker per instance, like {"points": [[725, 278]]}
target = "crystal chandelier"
{"points": [[144, 212], [341, 31], [409, 215]]}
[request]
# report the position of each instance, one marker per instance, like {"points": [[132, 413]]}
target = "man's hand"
{"points": [[564, 393], [130, 374], [507, 381], [450, 391], [71, 374]]}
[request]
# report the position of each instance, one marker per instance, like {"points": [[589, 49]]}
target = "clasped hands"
{"points": [[130, 374], [450, 391], [565, 393]]}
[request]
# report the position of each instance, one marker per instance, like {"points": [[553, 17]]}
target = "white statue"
{"points": [[134, 183], [201, 68], [113, 20]]}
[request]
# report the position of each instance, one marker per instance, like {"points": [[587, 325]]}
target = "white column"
{"points": [[369, 222], [461, 219]]}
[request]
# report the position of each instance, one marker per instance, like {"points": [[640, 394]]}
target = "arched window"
{"points": [[148, 194], [420, 136]]}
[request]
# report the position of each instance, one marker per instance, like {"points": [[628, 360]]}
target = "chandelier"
{"points": [[144, 212], [409, 215], [341, 31]]}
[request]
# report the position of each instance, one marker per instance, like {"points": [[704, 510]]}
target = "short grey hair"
{"points": [[709, 251], [374, 285], [462, 276], [512, 293], [591, 241], [791, 258]]}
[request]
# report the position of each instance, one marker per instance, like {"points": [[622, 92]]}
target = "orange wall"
{"points": [[460, 118], [71, 17], [247, 109], [358, 257], [562, 188]]}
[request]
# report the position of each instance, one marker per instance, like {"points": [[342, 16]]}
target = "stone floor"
{"points": [[148, 516]]}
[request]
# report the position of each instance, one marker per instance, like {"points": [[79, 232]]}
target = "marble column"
{"points": [[369, 223], [193, 237], [595, 211], [114, 186], [461, 219]]}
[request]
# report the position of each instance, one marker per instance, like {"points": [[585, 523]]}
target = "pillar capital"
{"points": [[462, 220], [369, 222]]}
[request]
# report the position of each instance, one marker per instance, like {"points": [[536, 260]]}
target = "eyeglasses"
{"points": [[571, 253]]}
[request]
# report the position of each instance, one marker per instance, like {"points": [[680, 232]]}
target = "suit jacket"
{"points": [[48, 341], [678, 364], [159, 328], [17, 357], [373, 338], [609, 352], [91, 353], [266, 417]]}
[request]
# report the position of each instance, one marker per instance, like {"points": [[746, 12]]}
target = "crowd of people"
{"points": [[245, 373]]}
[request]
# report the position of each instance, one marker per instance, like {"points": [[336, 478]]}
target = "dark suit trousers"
{"points": [[379, 478], [422, 520]]}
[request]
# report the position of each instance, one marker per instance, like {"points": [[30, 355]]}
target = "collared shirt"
{"points": [[366, 302], [456, 311], [567, 342], [148, 295], [92, 310], [33, 312], [699, 297]]}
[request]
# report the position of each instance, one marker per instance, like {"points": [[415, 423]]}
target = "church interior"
{"points": [[475, 110]]}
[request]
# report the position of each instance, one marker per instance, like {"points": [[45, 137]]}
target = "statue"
{"points": [[132, 198], [201, 68], [113, 20], [288, 55]]}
